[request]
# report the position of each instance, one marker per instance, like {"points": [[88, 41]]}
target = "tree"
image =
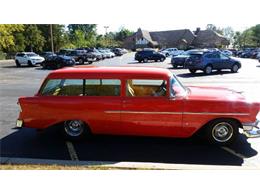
{"points": [[60, 36], [122, 34], [229, 33], [34, 40], [7, 35], [256, 34]]}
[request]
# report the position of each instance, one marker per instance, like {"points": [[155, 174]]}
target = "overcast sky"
{"points": [[150, 15]]}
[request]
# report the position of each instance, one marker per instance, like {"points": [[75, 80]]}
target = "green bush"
{"points": [[2, 55]]}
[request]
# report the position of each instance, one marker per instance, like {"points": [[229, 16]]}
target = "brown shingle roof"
{"points": [[173, 37]]}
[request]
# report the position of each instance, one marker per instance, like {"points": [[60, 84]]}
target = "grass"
{"points": [[60, 167]]}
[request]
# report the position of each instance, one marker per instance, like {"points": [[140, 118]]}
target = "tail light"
{"points": [[19, 106]]}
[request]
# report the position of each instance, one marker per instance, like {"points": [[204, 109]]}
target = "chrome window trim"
{"points": [[191, 113]]}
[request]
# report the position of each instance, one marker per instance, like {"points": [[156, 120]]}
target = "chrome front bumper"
{"points": [[252, 129]]}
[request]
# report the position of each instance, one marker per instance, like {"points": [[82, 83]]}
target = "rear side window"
{"points": [[63, 87], [195, 56], [102, 87], [81, 87]]}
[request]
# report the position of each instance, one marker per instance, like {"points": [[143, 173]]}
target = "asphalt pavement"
{"points": [[27, 143]]}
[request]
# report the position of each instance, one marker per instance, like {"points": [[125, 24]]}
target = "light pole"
{"points": [[52, 45], [106, 27]]}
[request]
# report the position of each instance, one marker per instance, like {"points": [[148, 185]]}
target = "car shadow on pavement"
{"points": [[200, 74], [27, 143]]}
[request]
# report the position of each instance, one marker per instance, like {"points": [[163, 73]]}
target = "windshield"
{"points": [[176, 87], [31, 54]]}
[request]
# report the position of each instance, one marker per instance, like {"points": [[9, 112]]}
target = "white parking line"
{"points": [[233, 152], [72, 151]]}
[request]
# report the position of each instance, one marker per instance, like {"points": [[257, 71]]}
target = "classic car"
{"points": [[136, 101]]}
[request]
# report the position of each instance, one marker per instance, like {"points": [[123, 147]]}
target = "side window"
{"points": [[102, 87], [223, 57], [146, 87], [51, 87], [62, 87], [72, 87], [208, 56]]}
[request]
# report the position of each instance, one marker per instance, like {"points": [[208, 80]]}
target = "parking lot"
{"points": [[27, 143]]}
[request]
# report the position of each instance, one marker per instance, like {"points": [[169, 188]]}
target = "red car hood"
{"points": [[214, 93]]}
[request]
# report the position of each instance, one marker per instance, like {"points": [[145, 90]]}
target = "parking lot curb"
{"points": [[121, 165], [6, 61]]}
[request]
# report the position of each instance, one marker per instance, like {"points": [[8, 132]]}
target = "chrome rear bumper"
{"points": [[252, 129]]}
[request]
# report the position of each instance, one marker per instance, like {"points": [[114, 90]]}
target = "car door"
{"points": [[147, 114], [225, 61]]}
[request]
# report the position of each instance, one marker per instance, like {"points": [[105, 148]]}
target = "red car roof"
{"points": [[110, 72]]}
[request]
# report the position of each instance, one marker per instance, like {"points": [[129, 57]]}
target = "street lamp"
{"points": [[52, 45], [106, 27]]}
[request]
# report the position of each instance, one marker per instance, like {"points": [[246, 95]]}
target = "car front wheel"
{"points": [[208, 70], [29, 63], [234, 68], [222, 131], [192, 71], [162, 59]]}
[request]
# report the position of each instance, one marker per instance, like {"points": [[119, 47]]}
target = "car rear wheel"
{"points": [[75, 129], [208, 69], [192, 71], [222, 131], [145, 60], [17, 63], [234, 68], [81, 61], [139, 61]]}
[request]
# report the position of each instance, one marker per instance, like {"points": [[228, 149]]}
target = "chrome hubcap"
{"points": [[235, 68], [222, 132], [208, 70], [74, 128]]}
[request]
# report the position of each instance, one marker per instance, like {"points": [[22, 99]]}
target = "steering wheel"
{"points": [[161, 91]]}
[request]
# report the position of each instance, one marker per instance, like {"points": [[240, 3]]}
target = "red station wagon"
{"points": [[137, 101]]}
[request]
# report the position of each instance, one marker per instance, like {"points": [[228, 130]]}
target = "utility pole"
{"points": [[52, 46], [106, 27]]}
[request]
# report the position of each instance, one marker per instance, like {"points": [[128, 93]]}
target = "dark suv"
{"points": [[208, 61], [80, 56], [147, 55]]}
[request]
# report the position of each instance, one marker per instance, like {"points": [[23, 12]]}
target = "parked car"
{"points": [[81, 56], [208, 61], [180, 60], [258, 56], [227, 52], [58, 61], [118, 51], [46, 54], [171, 52], [29, 58], [84, 101], [107, 53], [146, 55]]}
